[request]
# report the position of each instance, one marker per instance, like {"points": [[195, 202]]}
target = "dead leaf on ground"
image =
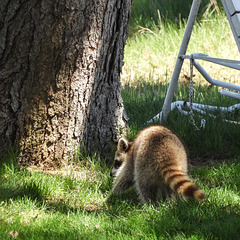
{"points": [[14, 234]]}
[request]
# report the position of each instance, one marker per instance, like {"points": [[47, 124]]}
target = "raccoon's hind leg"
{"points": [[147, 192], [164, 192], [152, 192]]}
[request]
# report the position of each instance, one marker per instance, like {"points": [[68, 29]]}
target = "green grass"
{"points": [[75, 202], [40, 205], [151, 53], [150, 56], [143, 100], [145, 12]]}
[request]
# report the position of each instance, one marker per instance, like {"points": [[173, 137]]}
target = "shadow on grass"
{"points": [[217, 217], [219, 140], [144, 13], [202, 221], [124, 216], [129, 197], [18, 187]]}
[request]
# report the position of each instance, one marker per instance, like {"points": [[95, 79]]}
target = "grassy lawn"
{"points": [[75, 205], [75, 202], [150, 54]]}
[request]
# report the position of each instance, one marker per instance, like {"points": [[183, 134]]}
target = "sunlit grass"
{"points": [[152, 54]]}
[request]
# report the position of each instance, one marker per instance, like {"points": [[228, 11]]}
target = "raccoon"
{"points": [[156, 163]]}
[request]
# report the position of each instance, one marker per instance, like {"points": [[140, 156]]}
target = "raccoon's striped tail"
{"points": [[180, 183]]}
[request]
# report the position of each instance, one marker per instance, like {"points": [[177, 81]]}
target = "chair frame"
{"points": [[232, 10]]}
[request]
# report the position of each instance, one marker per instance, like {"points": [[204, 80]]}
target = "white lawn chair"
{"points": [[232, 10]]}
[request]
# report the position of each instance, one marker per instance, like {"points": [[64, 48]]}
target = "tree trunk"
{"points": [[60, 64]]}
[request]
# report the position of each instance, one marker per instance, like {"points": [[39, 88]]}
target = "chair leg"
{"points": [[174, 80]]}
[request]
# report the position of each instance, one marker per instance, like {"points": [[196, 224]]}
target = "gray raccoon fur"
{"points": [[156, 162]]}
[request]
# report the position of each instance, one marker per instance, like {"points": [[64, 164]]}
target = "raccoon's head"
{"points": [[120, 156]]}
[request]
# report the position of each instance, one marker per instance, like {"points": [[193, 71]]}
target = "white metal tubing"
{"points": [[201, 108], [214, 81], [181, 104], [222, 61], [226, 4], [210, 107], [230, 94], [174, 80]]}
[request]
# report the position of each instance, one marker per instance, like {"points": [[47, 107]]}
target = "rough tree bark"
{"points": [[60, 64]]}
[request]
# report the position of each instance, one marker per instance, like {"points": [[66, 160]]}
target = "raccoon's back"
{"points": [[158, 151], [156, 148], [160, 145]]}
